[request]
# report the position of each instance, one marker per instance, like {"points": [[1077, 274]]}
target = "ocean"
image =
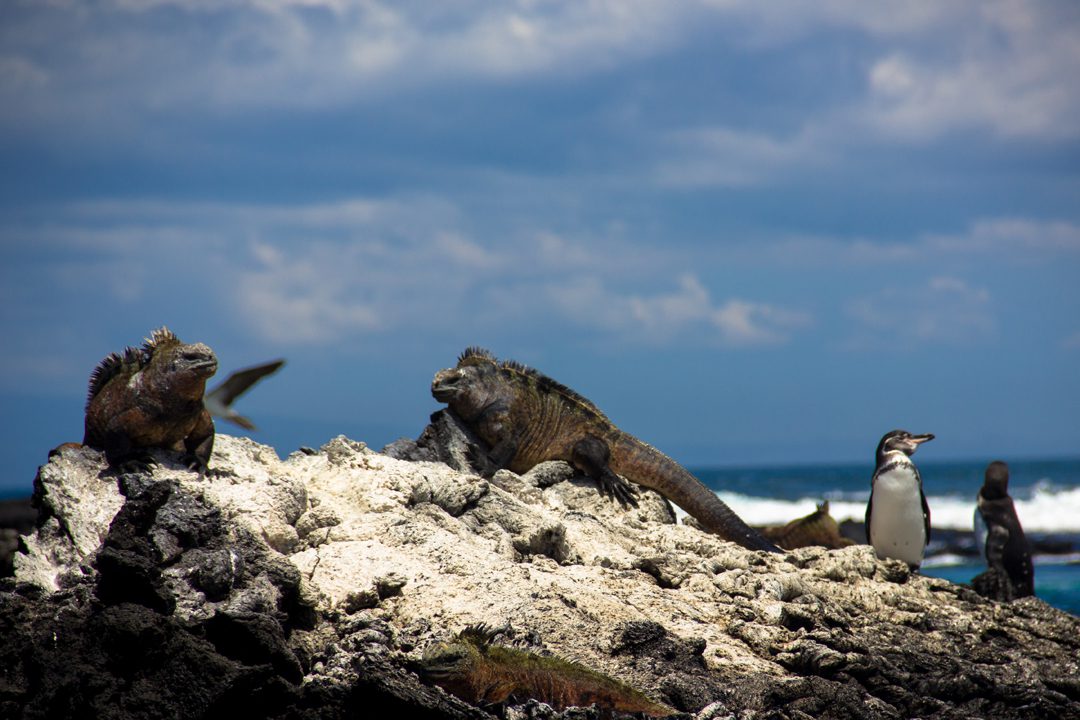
{"points": [[1046, 493]]}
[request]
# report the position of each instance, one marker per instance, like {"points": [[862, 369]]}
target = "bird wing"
{"points": [[238, 382]]}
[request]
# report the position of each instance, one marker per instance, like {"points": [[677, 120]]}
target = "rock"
{"points": [[310, 587], [17, 517]]}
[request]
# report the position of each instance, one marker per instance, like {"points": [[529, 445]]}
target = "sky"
{"points": [[751, 233]]}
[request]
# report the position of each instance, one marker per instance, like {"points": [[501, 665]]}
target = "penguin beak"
{"points": [[914, 441]]}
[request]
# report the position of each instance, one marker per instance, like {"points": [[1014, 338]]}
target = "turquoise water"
{"points": [[1058, 585]]}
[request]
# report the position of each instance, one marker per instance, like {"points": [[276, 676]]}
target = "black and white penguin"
{"points": [[1007, 553], [897, 516]]}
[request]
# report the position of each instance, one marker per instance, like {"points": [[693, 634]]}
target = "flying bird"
{"points": [[219, 400]]}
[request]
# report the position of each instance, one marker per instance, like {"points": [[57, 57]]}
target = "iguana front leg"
{"points": [[199, 444], [592, 456], [121, 454], [488, 462], [494, 426], [995, 558]]}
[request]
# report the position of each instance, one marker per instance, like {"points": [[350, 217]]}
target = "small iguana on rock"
{"points": [[481, 673], [817, 528], [526, 418], [152, 397]]}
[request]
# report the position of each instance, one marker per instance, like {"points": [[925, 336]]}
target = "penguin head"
{"points": [[996, 482], [901, 441]]}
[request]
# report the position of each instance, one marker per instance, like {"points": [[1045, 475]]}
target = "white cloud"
{"points": [[1003, 66], [303, 298], [719, 156], [1020, 235], [745, 323], [686, 314], [20, 74], [360, 268], [1009, 68], [1018, 240], [944, 310]]}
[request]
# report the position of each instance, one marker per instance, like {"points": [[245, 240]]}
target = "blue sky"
{"points": [[750, 232]]}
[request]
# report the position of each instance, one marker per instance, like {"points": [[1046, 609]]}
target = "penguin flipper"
{"points": [[926, 516], [995, 547], [869, 512]]}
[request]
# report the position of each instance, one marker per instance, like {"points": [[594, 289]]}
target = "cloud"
{"points": [[1020, 240], [1008, 69], [347, 271], [299, 299], [177, 54], [331, 272], [1017, 235], [1005, 66], [686, 314], [945, 310], [725, 157]]}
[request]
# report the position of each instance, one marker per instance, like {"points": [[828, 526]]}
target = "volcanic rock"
{"points": [[310, 588]]}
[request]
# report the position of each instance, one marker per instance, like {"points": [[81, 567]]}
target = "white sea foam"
{"points": [[945, 560], [1048, 510]]}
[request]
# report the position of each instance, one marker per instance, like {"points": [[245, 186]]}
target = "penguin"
{"points": [[1006, 549], [219, 400], [897, 516]]}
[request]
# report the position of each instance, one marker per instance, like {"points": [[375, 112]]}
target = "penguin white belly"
{"points": [[896, 524]]}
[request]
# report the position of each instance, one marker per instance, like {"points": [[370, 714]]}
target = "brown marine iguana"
{"points": [[152, 397], [479, 672], [817, 528], [526, 418]]}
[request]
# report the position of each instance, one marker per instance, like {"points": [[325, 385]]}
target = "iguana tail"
{"points": [[648, 466]]}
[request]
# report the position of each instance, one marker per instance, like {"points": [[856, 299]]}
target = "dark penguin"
{"points": [[1008, 556], [897, 516]]}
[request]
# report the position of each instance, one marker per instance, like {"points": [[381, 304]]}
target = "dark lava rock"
{"points": [[111, 645]]}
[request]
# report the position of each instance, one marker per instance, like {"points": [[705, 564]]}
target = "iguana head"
{"points": [[185, 367], [449, 659], [471, 384]]}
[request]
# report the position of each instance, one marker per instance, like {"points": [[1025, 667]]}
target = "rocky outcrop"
{"points": [[311, 587], [17, 518]]}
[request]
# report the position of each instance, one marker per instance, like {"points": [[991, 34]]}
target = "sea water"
{"points": [[1046, 493]]}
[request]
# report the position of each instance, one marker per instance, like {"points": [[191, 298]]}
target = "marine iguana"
{"points": [[152, 397], [817, 528], [219, 400], [526, 418], [481, 673]]}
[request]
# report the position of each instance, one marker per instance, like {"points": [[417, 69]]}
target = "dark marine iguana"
{"points": [[526, 418], [479, 672], [152, 397]]}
